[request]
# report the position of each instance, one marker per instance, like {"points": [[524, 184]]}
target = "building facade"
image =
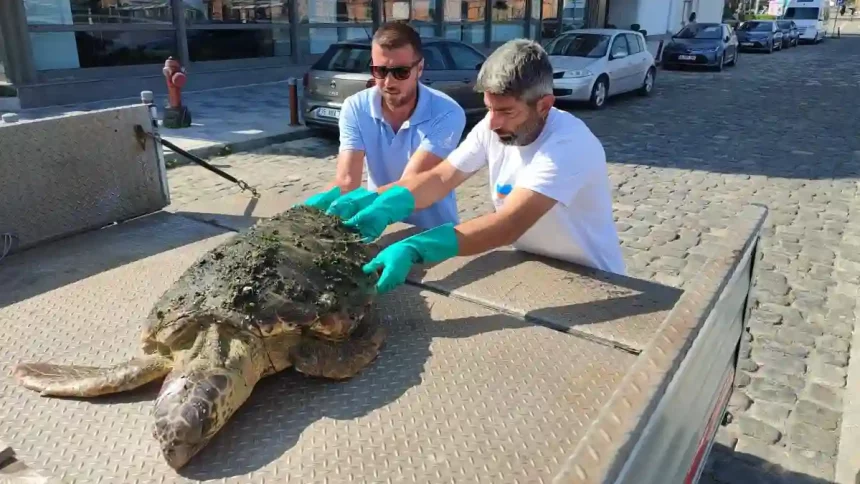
{"points": [[65, 51]]}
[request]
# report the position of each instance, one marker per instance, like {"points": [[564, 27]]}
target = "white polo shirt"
{"points": [[566, 163]]}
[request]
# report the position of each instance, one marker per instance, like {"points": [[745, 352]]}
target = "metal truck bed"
{"points": [[498, 368], [459, 392]]}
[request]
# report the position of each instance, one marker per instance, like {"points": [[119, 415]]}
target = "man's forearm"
{"points": [[485, 233], [350, 165], [427, 188]]}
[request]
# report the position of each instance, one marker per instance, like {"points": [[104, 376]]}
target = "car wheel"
{"points": [[598, 94], [648, 82], [722, 63], [734, 60], [770, 48]]}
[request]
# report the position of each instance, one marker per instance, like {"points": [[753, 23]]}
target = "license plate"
{"points": [[746, 43], [328, 112], [687, 57]]}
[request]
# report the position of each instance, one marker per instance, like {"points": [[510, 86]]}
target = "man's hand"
{"points": [[391, 206], [321, 201], [396, 260], [348, 205]]}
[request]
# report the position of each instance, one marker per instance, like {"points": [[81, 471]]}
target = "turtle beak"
{"points": [[192, 407]]}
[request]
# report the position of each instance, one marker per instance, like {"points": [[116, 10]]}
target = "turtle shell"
{"points": [[298, 271]]}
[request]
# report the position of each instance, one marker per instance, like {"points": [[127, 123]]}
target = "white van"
{"points": [[811, 18]]}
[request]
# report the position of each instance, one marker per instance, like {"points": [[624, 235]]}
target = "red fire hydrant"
{"points": [[175, 115]]}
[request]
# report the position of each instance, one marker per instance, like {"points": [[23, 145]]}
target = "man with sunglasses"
{"points": [[398, 128], [548, 177]]}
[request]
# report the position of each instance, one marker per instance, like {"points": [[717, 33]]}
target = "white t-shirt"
{"points": [[566, 163]]}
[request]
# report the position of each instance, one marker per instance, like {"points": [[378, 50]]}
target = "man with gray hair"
{"points": [[548, 177]]}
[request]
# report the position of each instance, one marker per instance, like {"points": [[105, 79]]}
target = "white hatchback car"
{"points": [[593, 64]]}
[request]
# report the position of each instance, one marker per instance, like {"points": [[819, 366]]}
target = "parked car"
{"points": [[592, 65], [790, 33], [759, 35], [702, 44], [450, 66]]}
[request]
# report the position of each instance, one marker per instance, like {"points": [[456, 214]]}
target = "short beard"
{"points": [[395, 101], [527, 132]]}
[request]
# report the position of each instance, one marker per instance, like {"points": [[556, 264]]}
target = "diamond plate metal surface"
{"points": [[623, 311], [459, 392], [67, 174]]}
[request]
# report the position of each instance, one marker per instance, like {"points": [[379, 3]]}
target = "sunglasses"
{"points": [[401, 73]]}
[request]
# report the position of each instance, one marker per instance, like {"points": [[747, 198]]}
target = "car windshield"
{"points": [[344, 58], [801, 13], [580, 45], [700, 31], [756, 26]]}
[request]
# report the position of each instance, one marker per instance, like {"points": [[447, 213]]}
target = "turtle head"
{"points": [[201, 394]]}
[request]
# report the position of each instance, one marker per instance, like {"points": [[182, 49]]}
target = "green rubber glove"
{"points": [[322, 200], [392, 205], [396, 260], [350, 204]]}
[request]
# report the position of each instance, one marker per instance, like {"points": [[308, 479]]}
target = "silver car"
{"points": [[593, 64], [344, 69]]}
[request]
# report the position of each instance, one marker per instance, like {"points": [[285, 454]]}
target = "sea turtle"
{"points": [[290, 291]]}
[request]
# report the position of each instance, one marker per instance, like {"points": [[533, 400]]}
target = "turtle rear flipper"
{"points": [[339, 361], [90, 381]]}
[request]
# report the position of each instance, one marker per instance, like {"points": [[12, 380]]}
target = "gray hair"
{"points": [[519, 68]]}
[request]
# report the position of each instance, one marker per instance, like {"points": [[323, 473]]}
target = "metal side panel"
{"points": [[605, 452], [617, 310], [460, 393], [64, 175]]}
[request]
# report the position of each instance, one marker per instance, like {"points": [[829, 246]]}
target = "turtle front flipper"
{"points": [[339, 360], [90, 381]]}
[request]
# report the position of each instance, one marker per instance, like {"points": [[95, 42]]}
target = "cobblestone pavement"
{"points": [[777, 129]]}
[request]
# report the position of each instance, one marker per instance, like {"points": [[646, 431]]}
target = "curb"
{"points": [[173, 160], [848, 453]]}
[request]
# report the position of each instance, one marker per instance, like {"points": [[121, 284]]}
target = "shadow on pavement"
{"points": [[729, 467], [52, 265]]}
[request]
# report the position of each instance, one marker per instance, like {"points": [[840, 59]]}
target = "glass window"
{"points": [[756, 26], [464, 57], [466, 20], [801, 13], [549, 19], [700, 31], [573, 16], [422, 10], [464, 10], [210, 45], [420, 14], [72, 50], [89, 12], [434, 58], [235, 11], [318, 39], [580, 45], [345, 58], [508, 17], [334, 11], [619, 46], [633, 44]]}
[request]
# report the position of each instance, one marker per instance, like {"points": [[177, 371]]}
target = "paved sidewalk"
{"points": [[223, 120]]}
